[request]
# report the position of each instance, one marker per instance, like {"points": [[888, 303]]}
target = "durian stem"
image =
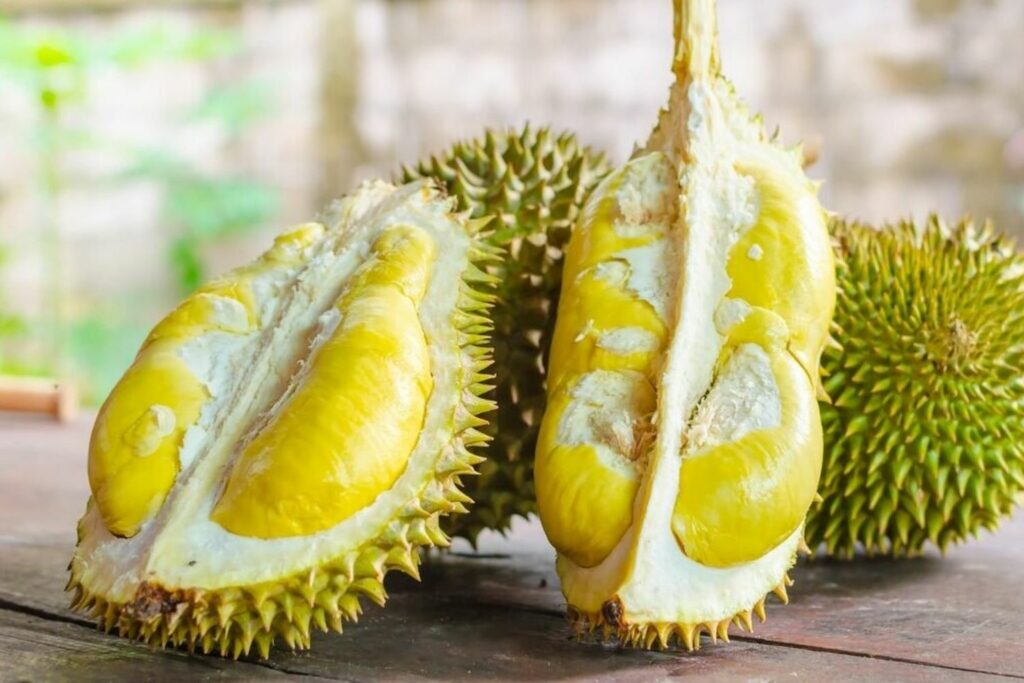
{"points": [[695, 29]]}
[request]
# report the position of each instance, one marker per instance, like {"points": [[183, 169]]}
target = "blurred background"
{"points": [[146, 145]]}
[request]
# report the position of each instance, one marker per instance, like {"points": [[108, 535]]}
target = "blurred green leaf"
{"points": [[187, 263], [102, 347], [235, 106], [53, 69], [11, 325], [155, 164], [154, 42], [53, 52], [209, 208]]}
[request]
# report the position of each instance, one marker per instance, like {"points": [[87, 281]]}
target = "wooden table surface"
{"points": [[497, 614]]}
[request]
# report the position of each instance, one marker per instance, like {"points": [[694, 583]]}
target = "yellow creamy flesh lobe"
{"points": [[601, 394], [346, 433], [784, 262], [133, 453], [739, 500]]}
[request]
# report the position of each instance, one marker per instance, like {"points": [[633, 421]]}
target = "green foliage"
{"points": [[10, 324], [203, 208], [52, 68], [101, 344], [235, 106]]}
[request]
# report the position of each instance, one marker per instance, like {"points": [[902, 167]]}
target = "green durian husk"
{"points": [[924, 435], [533, 183]]}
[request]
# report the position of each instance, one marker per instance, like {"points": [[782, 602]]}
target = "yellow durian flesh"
{"points": [[680, 513], [740, 498], [333, 428], [608, 338], [133, 453], [346, 433]]}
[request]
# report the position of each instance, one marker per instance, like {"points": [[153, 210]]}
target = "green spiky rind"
{"points": [[925, 434], [534, 182], [662, 635], [233, 621]]}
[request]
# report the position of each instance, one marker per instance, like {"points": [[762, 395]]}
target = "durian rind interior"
{"points": [[682, 444], [339, 383]]}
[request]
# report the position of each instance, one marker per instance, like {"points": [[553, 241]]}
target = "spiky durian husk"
{"points": [[231, 621], [606, 628], [534, 183], [924, 439]]}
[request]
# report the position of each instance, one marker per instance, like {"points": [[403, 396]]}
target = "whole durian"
{"points": [[924, 439], [533, 184], [292, 431], [681, 445]]}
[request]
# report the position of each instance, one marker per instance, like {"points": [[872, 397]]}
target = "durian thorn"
{"points": [[759, 610], [664, 632], [745, 621], [711, 628], [688, 632]]}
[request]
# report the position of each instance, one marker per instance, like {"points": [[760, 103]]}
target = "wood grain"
{"points": [[497, 613]]}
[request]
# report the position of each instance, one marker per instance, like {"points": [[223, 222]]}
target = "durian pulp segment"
{"points": [[611, 329], [687, 520], [171, 389], [344, 435], [251, 383]]}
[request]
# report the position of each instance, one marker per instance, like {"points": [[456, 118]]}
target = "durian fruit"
{"points": [[533, 183], [924, 439], [681, 446], [292, 431]]}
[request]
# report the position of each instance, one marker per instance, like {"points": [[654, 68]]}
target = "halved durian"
{"points": [[292, 431], [681, 447]]}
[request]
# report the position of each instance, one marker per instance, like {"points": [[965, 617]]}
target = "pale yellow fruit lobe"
{"points": [[784, 262], [587, 469], [134, 450], [133, 453], [595, 299], [740, 499], [346, 433]]}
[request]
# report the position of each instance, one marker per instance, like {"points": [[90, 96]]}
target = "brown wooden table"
{"points": [[497, 614]]}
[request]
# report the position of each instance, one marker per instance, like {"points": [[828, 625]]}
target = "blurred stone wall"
{"points": [[918, 104]]}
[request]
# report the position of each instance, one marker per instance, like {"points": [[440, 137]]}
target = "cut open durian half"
{"points": [[681, 446], [292, 431]]}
